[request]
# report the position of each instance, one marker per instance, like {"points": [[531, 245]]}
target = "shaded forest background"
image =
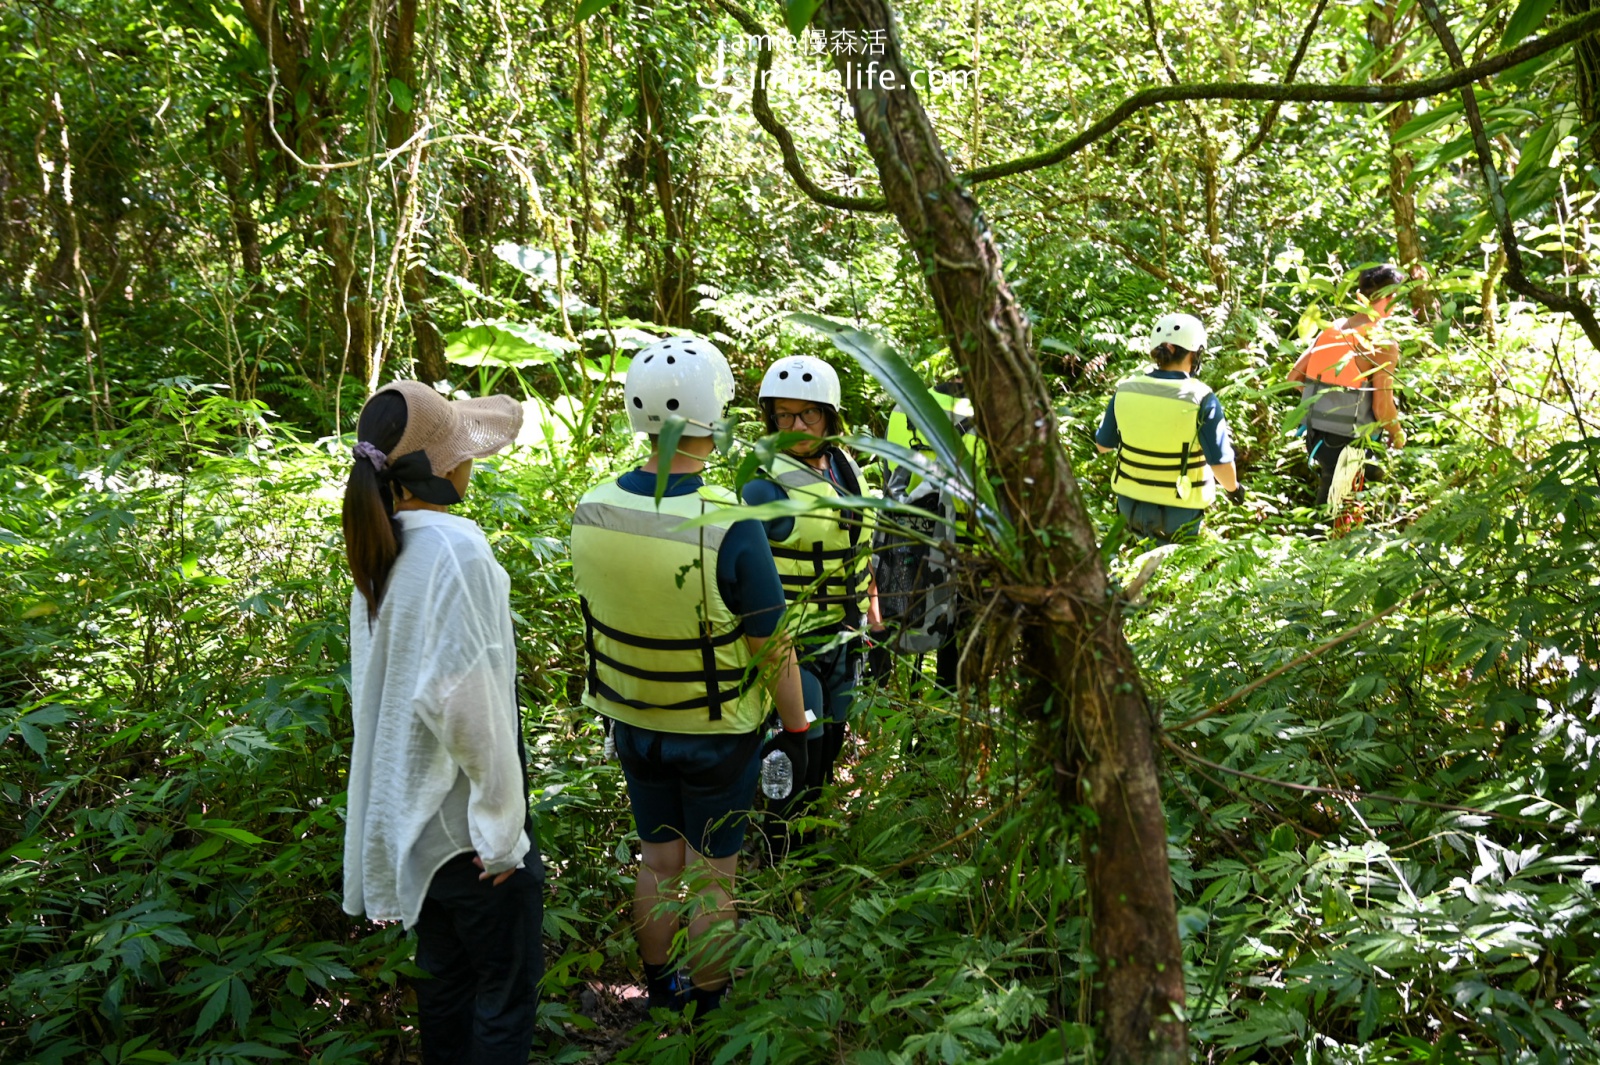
{"points": [[224, 223]]}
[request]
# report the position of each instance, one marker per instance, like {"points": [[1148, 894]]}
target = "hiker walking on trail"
{"points": [[823, 557], [1172, 442], [684, 647], [437, 832], [1349, 379]]}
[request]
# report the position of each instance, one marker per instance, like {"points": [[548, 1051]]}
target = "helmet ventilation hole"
{"points": [[672, 404], [638, 403], [671, 361]]}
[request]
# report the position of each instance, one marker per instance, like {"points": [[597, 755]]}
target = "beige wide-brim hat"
{"points": [[452, 431]]}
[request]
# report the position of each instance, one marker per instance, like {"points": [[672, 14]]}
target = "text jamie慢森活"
{"points": [[870, 74]]}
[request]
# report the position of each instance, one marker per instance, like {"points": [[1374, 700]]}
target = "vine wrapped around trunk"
{"points": [[1086, 691]]}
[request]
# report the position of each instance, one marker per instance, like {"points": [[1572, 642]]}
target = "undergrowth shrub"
{"points": [[172, 749]]}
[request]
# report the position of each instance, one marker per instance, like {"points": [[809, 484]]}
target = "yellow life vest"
{"points": [[664, 651], [824, 561], [1160, 459], [900, 431]]}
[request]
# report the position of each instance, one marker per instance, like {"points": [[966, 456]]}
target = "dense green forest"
{"points": [[1360, 748]]}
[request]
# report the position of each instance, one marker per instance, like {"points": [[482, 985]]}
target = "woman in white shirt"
{"points": [[437, 831]]}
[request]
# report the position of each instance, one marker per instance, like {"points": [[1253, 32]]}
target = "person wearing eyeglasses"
{"points": [[823, 558]]}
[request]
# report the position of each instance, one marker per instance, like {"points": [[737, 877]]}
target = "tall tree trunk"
{"points": [[676, 280], [284, 30], [1386, 29], [401, 34], [1086, 692]]}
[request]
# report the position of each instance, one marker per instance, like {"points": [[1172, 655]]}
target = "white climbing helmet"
{"points": [[685, 376], [801, 377], [1180, 330]]}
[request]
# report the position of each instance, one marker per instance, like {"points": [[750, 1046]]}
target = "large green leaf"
{"points": [[1527, 18], [538, 263], [1428, 121], [797, 14], [591, 7], [666, 447], [501, 342], [1531, 188], [921, 406]]}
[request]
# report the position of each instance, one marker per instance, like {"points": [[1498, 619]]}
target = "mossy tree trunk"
{"points": [[1086, 690]]}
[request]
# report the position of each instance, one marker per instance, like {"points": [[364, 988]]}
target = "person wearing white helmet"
{"points": [[823, 557], [1171, 438], [685, 656]]}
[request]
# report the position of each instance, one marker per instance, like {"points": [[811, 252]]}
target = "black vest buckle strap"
{"points": [[1183, 470], [708, 661], [593, 678]]}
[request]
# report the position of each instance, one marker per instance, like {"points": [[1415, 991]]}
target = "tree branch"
{"points": [[761, 107], [1516, 280], [1304, 92], [1288, 77]]}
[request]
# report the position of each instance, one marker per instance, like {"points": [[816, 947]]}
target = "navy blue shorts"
{"points": [[697, 788], [1162, 523]]}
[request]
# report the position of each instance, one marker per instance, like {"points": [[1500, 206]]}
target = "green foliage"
{"points": [[172, 633]]}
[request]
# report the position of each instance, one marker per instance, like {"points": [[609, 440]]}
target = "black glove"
{"points": [[792, 744], [1236, 496]]}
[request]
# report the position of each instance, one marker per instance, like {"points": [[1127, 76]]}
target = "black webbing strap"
{"points": [[1183, 471], [708, 663], [666, 676], [796, 554], [588, 646], [652, 643], [1150, 454], [706, 643], [612, 695], [1159, 467]]}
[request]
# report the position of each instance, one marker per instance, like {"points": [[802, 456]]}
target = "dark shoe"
{"points": [[666, 988], [706, 1001]]}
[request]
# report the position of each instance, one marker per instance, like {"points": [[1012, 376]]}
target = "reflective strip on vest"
{"points": [[1160, 459], [664, 651], [823, 563]]}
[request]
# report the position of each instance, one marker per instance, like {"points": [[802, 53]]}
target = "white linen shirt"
{"points": [[434, 770]]}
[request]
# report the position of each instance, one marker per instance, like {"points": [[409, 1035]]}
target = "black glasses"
{"points": [[811, 417]]}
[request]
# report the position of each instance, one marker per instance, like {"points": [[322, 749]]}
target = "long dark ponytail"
{"points": [[371, 535]]}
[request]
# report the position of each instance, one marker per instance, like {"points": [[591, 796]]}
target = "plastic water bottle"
{"points": [[777, 775]]}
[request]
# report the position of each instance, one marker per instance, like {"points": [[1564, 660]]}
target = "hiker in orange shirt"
{"points": [[1350, 379]]}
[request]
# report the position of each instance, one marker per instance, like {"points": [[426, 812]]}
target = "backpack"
{"points": [[916, 588]]}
